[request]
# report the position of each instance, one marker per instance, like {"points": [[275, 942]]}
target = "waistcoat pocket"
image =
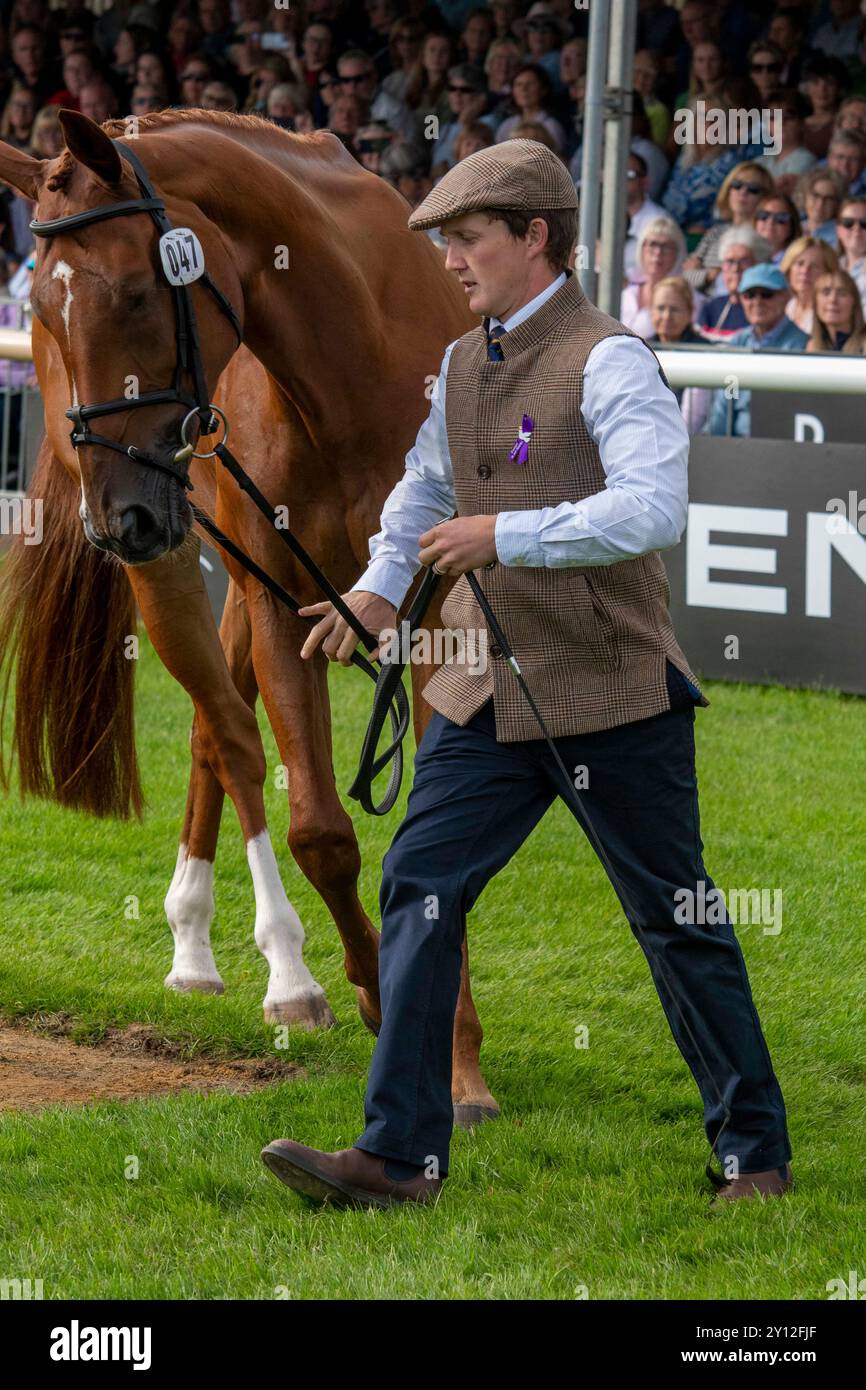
{"points": [[607, 653]]}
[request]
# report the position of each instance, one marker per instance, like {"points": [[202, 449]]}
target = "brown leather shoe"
{"points": [[350, 1177], [773, 1182]]}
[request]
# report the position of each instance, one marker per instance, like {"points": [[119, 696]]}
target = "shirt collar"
{"points": [[773, 334], [529, 309]]}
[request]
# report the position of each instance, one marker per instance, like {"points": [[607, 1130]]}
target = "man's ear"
{"points": [[90, 145], [21, 171]]}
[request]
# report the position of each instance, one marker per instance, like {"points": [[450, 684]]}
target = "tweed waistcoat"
{"points": [[591, 642]]}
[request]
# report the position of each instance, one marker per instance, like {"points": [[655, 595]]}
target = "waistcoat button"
{"points": [[483, 470], [495, 651]]}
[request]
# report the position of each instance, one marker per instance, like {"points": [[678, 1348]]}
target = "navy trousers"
{"points": [[473, 803]]}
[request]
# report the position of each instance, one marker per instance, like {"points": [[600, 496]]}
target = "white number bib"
{"points": [[182, 256]]}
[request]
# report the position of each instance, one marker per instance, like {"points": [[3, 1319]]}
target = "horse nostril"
{"points": [[135, 528]]}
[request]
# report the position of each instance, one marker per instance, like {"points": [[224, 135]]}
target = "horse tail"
{"points": [[65, 613]]}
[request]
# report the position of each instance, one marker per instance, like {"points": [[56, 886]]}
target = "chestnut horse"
{"points": [[345, 317]]}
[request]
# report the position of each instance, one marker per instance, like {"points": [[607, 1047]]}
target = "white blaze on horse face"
{"points": [[64, 272], [293, 995], [189, 907]]}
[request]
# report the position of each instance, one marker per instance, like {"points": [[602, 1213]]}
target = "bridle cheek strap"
{"points": [[188, 360]]}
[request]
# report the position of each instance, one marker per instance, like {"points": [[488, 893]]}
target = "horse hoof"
{"points": [[370, 1017], [309, 1013], [469, 1114], [182, 985]]}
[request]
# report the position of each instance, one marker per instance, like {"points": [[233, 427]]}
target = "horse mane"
{"points": [[157, 120]]}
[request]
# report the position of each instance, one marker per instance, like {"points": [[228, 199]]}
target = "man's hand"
{"points": [[333, 634], [464, 543]]}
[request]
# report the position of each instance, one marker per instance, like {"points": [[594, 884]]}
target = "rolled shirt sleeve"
{"points": [[422, 497], [634, 419]]}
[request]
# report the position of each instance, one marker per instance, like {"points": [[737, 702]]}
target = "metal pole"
{"points": [[590, 164], [623, 35]]}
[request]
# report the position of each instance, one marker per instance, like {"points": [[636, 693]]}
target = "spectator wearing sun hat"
{"points": [[764, 293]]}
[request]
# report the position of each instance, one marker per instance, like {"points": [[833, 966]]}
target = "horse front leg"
{"points": [[321, 835], [227, 748], [189, 902]]}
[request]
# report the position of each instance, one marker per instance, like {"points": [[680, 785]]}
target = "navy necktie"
{"points": [[494, 351]]}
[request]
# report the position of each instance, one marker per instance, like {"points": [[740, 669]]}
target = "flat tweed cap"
{"points": [[520, 174]]}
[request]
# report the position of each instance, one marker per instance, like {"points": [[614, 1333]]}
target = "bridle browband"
{"points": [[188, 356]]}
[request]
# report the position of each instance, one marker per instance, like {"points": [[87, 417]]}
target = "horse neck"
{"points": [[312, 322]]}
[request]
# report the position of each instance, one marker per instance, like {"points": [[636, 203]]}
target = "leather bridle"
{"points": [[188, 361]]}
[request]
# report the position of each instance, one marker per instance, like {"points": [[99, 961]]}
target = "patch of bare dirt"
{"points": [[40, 1065]]}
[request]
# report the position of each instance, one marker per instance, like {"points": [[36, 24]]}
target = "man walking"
{"points": [[554, 437]]}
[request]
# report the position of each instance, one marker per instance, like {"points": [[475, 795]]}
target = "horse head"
{"points": [[106, 322]]}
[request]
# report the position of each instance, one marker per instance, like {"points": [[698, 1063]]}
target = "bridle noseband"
{"points": [[188, 355]]}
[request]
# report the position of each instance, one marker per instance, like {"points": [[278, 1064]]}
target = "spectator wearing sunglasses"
{"points": [[145, 100], [840, 36], [839, 323], [786, 118], [851, 234], [766, 64], [765, 293], [805, 259], [738, 200], [194, 77], [543, 34], [371, 142], [847, 157], [357, 73], [825, 81], [722, 316], [820, 194], [467, 98], [640, 208], [404, 40], [777, 219]]}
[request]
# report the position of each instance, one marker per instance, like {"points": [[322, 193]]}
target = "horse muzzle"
{"points": [[136, 534]]}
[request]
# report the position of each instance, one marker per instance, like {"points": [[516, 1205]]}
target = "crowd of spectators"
{"points": [[751, 234]]}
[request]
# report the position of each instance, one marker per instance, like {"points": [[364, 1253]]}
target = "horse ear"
{"points": [[90, 145], [21, 171]]}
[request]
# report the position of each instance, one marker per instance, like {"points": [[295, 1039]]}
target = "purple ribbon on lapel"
{"points": [[520, 448]]}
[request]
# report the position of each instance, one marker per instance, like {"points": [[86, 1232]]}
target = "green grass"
{"points": [[594, 1175]]}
